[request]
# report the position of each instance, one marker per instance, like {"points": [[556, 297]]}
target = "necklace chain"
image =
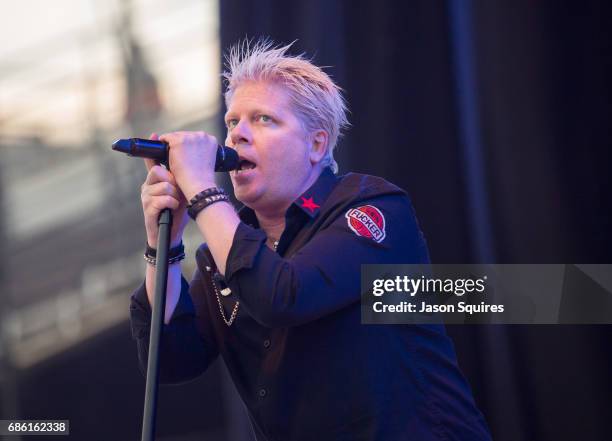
{"points": [[230, 321], [234, 311]]}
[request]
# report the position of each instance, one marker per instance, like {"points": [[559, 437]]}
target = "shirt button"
{"points": [[262, 393], [267, 343]]}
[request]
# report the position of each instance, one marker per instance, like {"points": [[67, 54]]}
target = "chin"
{"points": [[247, 196]]}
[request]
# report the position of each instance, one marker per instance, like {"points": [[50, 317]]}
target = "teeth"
{"points": [[238, 170]]}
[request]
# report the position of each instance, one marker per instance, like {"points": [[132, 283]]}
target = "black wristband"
{"points": [[172, 253], [206, 193], [194, 210]]}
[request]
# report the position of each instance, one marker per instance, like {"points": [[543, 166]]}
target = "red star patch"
{"points": [[310, 204]]}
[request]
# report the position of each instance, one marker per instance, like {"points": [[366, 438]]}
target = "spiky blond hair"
{"points": [[316, 99]]}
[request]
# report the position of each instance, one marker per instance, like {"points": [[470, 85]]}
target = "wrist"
{"points": [[173, 242], [204, 199], [197, 187], [175, 254]]}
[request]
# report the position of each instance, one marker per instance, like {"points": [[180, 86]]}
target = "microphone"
{"points": [[227, 157]]}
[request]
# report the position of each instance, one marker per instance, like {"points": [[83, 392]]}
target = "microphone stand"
{"points": [[226, 159], [157, 322]]}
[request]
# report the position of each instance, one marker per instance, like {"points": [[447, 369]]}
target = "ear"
{"points": [[318, 148]]}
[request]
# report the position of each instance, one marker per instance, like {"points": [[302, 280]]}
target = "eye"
{"points": [[231, 123], [264, 118]]}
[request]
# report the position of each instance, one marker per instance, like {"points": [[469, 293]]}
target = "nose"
{"points": [[241, 133]]}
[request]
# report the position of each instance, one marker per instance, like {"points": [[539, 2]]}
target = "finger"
{"points": [[159, 174], [161, 202], [149, 163], [162, 189], [167, 137]]}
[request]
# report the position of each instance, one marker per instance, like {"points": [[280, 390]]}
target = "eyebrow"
{"points": [[259, 110]]}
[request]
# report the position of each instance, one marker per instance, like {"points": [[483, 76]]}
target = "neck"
{"points": [[272, 224]]}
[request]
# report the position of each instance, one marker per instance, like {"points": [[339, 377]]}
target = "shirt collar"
{"points": [[309, 202]]}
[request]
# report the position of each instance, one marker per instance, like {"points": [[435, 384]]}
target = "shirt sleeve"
{"points": [[185, 352], [325, 275]]}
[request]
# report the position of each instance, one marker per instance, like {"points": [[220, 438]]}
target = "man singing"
{"points": [[276, 292]]}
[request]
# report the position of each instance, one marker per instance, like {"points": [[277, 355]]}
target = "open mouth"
{"points": [[245, 164]]}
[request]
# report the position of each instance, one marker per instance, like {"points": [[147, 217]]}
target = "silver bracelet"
{"points": [[153, 261]]}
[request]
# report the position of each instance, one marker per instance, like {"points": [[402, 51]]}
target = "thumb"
{"points": [[149, 163]]}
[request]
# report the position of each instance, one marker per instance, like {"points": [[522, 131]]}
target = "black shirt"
{"points": [[305, 366]]}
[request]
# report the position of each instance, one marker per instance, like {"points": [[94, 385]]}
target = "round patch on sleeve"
{"points": [[367, 221]]}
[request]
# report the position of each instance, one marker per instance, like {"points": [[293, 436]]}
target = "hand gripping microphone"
{"points": [[227, 158]]}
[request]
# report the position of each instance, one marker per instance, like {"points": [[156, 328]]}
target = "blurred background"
{"points": [[494, 116]]}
